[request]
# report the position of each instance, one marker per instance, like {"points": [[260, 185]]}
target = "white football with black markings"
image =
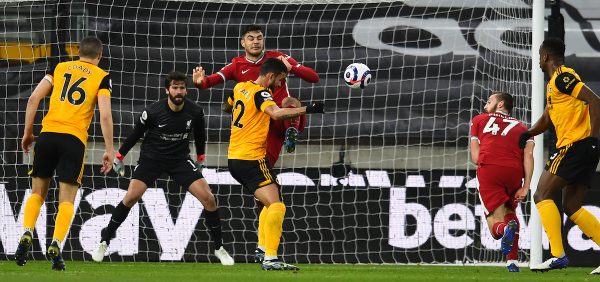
{"points": [[357, 76]]}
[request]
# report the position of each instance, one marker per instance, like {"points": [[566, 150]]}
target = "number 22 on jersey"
{"points": [[493, 127]]}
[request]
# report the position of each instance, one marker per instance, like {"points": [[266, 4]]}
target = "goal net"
{"points": [[383, 177]]}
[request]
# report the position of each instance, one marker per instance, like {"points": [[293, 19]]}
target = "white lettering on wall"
{"points": [[444, 224], [488, 34], [367, 33], [294, 179], [172, 236], [399, 211], [11, 230], [126, 239], [378, 178]]}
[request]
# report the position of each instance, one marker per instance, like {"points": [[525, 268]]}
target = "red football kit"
{"points": [[500, 169], [242, 69]]}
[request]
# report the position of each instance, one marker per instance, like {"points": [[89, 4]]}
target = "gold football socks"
{"points": [[32, 211], [273, 227], [588, 223], [262, 218], [63, 221], [552, 224]]}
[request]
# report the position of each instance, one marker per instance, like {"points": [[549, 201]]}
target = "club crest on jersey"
{"points": [[188, 124], [266, 96], [144, 117]]}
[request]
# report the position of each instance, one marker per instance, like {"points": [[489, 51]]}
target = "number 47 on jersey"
{"points": [[492, 126]]}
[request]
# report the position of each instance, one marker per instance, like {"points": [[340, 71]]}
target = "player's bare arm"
{"points": [[528, 163], [474, 150], [43, 89], [539, 127], [588, 96], [278, 113], [106, 124]]}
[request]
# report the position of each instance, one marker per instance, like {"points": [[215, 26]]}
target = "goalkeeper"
{"points": [[167, 124]]}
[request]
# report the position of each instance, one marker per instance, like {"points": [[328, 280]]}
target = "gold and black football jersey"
{"points": [[249, 123], [570, 116], [76, 86]]}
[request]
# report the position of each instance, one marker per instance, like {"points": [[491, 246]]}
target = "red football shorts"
{"points": [[498, 185]]}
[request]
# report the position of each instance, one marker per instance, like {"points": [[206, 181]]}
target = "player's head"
{"points": [[90, 48], [253, 40], [273, 71], [499, 101], [290, 102], [551, 51], [176, 87]]}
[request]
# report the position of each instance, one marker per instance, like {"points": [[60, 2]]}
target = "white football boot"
{"points": [[224, 256], [98, 254]]}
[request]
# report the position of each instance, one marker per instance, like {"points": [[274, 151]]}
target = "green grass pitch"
{"points": [[39, 271]]}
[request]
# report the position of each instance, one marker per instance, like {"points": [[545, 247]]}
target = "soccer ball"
{"points": [[357, 75]]}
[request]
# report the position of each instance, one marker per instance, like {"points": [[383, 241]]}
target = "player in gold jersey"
{"points": [[574, 110], [252, 107], [75, 88]]}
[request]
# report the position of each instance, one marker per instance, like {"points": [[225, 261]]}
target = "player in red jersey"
{"points": [[501, 168], [247, 67]]}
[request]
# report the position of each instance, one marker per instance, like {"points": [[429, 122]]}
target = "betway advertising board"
{"points": [[369, 216]]}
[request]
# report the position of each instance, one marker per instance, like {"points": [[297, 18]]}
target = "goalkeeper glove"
{"points": [[523, 139], [315, 107], [200, 162], [118, 165]]}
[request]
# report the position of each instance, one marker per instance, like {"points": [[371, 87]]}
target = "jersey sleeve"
{"points": [[263, 99], [139, 129], [568, 83], [217, 78], [105, 86], [291, 60], [50, 75], [475, 128], [200, 134], [227, 72], [305, 73]]}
